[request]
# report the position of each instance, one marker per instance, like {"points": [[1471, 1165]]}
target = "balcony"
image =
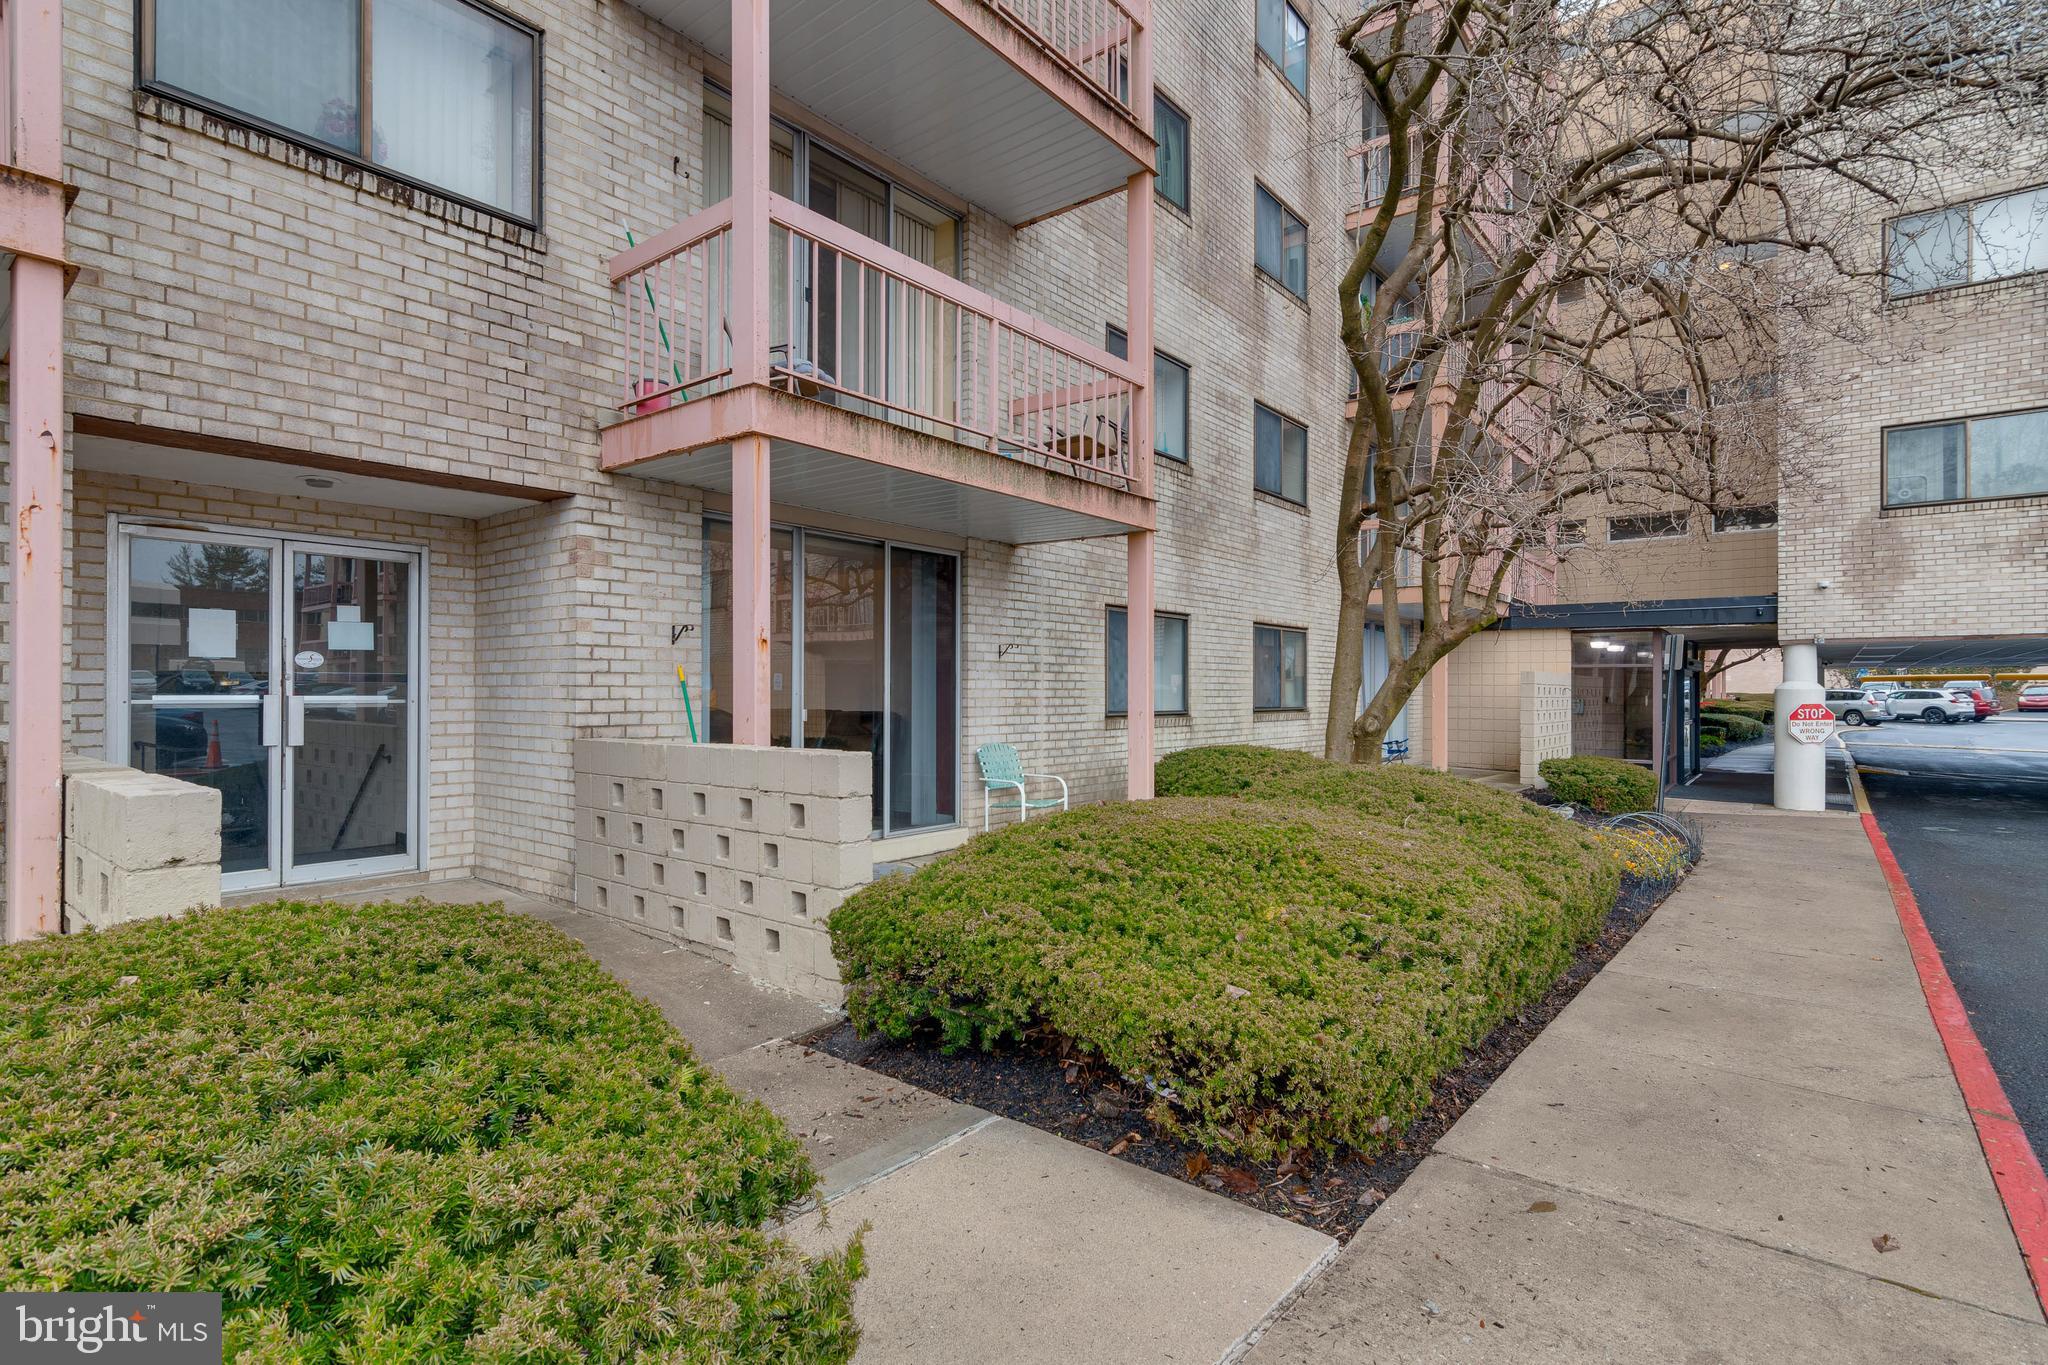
{"points": [[887, 389], [1024, 107]]}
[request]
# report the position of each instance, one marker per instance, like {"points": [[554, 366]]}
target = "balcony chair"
{"points": [[1002, 768]]}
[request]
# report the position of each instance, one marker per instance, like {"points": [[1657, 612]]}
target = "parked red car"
{"points": [[2034, 697], [1983, 697]]}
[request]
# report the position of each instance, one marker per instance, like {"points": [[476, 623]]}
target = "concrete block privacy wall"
{"points": [[1546, 721], [136, 845], [742, 850]]}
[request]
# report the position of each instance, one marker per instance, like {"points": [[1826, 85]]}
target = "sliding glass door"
{"points": [[866, 657]]}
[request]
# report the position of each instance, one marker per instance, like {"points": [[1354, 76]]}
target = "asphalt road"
{"points": [[1965, 808]]}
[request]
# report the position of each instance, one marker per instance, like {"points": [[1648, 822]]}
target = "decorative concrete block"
{"points": [[100, 894], [138, 820]]}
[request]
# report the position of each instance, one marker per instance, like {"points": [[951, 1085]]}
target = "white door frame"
{"points": [[277, 706]]}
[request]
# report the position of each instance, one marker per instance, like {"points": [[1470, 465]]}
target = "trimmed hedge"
{"points": [[1755, 705], [395, 1133], [1609, 785], [1740, 728], [1287, 957]]}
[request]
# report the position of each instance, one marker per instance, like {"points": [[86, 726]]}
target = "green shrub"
{"points": [[1738, 727], [1289, 965], [394, 1133], [1608, 785], [1712, 743], [1755, 705]]}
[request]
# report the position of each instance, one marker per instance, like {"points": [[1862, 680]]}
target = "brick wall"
{"points": [[1923, 572], [1486, 693], [237, 286]]}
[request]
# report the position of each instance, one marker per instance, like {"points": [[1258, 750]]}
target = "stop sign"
{"points": [[1810, 723]]}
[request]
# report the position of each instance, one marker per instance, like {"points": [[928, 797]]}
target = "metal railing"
{"points": [[676, 307], [1372, 173], [1093, 37], [861, 327]]}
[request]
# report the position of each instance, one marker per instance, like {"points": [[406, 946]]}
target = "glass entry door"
{"points": [[197, 669], [280, 673], [349, 713]]}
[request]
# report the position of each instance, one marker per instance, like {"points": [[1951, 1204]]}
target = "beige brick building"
{"points": [[351, 356]]}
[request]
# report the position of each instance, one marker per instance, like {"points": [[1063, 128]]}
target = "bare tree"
{"points": [[1582, 233]]}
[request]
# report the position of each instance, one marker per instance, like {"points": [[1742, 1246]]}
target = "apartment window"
{"points": [[1283, 37], [1655, 526], [1968, 243], [1279, 455], [1571, 531], [1279, 669], [1281, 242], [805, 169], [1170, 390], [1169, 663], [1170, 127], [2005, 456], [1745, 519], [446, 96]]}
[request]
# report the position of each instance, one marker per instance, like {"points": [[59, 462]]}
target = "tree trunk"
{"points": [[1347, 673]]}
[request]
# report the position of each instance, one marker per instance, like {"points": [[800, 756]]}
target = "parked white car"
{"points": [[1854, 706], [1931, 705]]}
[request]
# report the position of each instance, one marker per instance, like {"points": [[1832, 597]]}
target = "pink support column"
{"points": [[752, 300], [1440, 716], [35, 432], [1138, 669], [1139, 545], [753, 592], [753, 583]]}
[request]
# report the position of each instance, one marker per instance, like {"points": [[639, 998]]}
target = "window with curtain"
{"points": [[1279, 455], [1170, 127], [447, 97], [2005, 456], [1283, 37], [1281, 242], [1169, 663], [1279, 669], [1990, 239], [1170, 388]]}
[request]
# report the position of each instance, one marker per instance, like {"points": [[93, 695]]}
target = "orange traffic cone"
{"points": [[213, 759]]}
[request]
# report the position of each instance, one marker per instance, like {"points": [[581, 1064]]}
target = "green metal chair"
{"points": [[1001, 768]]}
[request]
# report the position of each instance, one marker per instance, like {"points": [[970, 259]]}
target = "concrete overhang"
{"points": [[952, 89], [106, 446], [832, 460]]}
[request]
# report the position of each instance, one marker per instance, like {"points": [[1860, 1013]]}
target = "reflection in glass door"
{"points": [[280, 673], [199, 642], [350, 713], [874, 639]]}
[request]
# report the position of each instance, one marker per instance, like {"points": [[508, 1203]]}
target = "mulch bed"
{"points": [[1040, 1083]]}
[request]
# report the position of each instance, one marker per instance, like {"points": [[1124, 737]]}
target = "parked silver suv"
{"points": [[1854, 706], [1931, 705]]}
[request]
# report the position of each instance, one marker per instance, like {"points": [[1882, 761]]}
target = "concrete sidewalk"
{"points": [[1695, 1161], [987, 1239]]}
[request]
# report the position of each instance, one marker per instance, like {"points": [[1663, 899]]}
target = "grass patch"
{"points": [[1609, 785], [395, 1132], [1287, 955]]}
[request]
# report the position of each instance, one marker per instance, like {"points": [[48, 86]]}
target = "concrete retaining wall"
{"points": [[741, 850], [136, 845], [1546, 721]]}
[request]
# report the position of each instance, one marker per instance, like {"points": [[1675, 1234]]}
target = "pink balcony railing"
{"points": [[1372, 174], [867, 329], [675, 302], [1093, 37]]}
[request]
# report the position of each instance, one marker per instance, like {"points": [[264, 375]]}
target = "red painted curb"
{"points": [[2014, 1168]]}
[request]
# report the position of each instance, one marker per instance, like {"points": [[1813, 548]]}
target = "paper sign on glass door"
{"points": [[348, 630], [210, 632]]}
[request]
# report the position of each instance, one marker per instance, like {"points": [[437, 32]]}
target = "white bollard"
{"points": [[1799, 770]]}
